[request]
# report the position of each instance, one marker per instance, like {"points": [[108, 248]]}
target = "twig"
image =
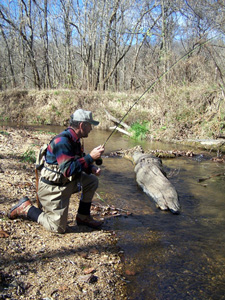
{"points": [[209, 177]]}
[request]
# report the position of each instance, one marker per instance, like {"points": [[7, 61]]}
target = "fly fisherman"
{"points": [[66, 170]]}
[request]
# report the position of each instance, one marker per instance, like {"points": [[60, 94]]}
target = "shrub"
{"points": [[140, 130], [29, 156]]}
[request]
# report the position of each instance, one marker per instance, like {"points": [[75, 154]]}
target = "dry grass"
{"points": [[175, 112]]}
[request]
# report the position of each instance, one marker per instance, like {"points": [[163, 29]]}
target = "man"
{"points": [[66, 170]]}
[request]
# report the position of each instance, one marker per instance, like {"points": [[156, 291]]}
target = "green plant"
{"points": [[29, 156], [4, 118], [99, 196], [140, 130], [58, 113], [45, 132], [39, 119], [4, 132], [67, 100]]}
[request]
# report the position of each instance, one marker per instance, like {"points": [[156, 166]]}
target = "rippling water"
{"points": [[172, 256]]}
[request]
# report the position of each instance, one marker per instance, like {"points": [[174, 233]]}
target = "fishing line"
{"points": [[155, 82]]}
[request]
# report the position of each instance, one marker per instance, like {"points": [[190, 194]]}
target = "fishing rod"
{"points": [[99, 161]]}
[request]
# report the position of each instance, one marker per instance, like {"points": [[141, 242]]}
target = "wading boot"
{"points": [[88, 221], [21, 209]]}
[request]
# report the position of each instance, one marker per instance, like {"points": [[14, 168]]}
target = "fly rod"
{"points": [[99, 161]]}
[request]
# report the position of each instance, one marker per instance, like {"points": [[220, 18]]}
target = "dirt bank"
{"points": [[191, 115], [36, 264]]}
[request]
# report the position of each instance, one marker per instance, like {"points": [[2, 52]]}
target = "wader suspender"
{"points": [[38, 202]]}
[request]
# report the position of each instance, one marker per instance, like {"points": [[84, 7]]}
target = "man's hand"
{"points": [[96, 171], [97, 152]]}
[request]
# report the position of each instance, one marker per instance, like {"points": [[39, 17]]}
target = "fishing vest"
{"points": [[51, 174]]}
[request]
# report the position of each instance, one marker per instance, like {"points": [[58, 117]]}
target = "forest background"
{"points": [[59, 55]]}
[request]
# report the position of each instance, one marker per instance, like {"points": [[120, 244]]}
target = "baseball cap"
{"points": [[81, 115]]}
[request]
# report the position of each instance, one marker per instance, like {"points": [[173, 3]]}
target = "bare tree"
{"points": [[107, 44], [44, 36], [26, 32], [9, 55]]}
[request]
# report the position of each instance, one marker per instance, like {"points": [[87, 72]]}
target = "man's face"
{"points": [[85, 129]]}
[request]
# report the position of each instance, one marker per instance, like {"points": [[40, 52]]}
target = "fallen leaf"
{"points": [[130, 272], [90, 278], [3, 234], [89, 270]]}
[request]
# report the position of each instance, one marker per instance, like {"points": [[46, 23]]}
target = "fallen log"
{"points": [[121, 130], [116, 121], [157, 153], [220, 136], [151, 177]]}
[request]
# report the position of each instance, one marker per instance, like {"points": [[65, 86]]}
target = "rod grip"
{"points": [[99, 161]]}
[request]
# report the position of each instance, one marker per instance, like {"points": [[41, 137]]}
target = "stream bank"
{"points": [[197, 120], [37, 264]]}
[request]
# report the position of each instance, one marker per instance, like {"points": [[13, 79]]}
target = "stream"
{"points": [[166, 256], [169, 256]]}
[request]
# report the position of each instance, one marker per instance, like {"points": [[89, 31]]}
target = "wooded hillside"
{"points": [[118, 45]]}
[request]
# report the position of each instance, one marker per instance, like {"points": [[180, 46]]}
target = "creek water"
{"points": [[167, 256]]}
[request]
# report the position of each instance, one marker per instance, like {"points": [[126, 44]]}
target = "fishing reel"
{"points": [[99, 161]]}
